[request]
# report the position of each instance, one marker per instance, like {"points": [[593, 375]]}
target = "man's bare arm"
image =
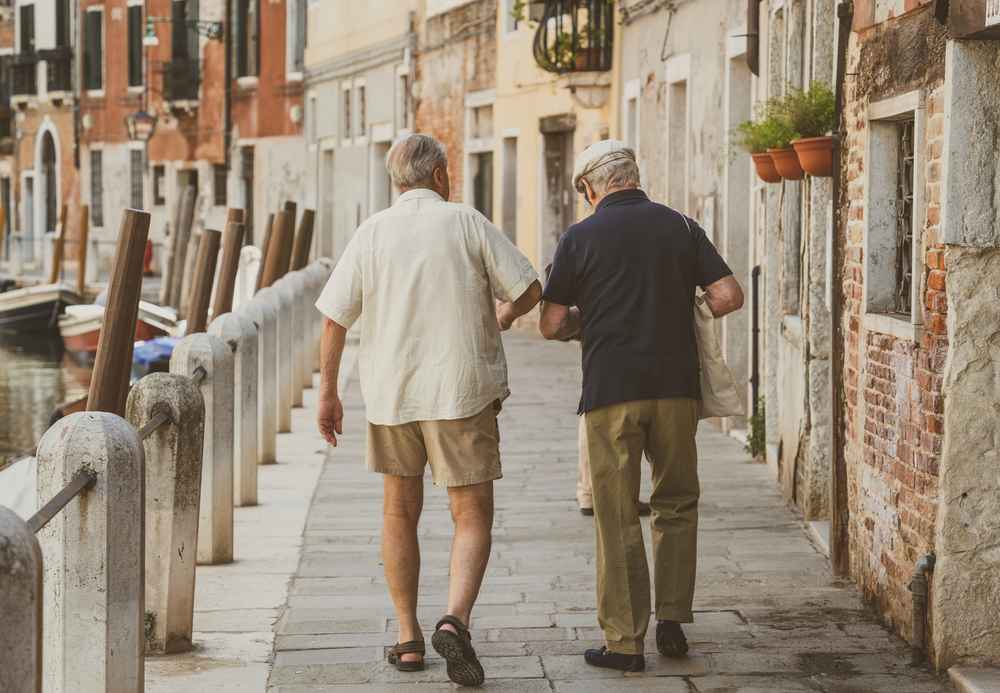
{"points": [[331, 411], [508, 312], [559, 322], [724, 296]]}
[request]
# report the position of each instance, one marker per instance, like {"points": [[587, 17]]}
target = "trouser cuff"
{"points": [[676, 615]]}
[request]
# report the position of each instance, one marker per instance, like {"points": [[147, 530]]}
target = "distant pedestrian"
{"points": [[625, 279], [423, 277]]}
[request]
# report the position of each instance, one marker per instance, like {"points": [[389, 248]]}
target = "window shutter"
{"points": [[178, 30], [135, 77], [300, 35], [27, 28], [253, 37], [62, 23], [93, 57]]}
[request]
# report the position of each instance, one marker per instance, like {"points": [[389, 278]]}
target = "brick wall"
{"points": [[894, 404], [457, 55]]}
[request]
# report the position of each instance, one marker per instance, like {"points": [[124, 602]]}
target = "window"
{"points": [[159, 185], [362, 111], [246, 41], [93, 50], [184, 39], [894, 215], [347, 113], [135, 33], [219, 184], [27, 28], [137, 170], [509, 220], [677, 146], [403, 104], [62, 23], [97, 188], [481, 166], [297, 34]]}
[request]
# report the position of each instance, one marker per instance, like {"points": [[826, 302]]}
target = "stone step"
{"points": [[975, 680]]}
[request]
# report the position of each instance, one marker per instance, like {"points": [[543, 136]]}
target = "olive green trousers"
{"points": [[617, 436]]}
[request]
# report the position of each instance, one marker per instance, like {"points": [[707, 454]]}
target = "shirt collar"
{"points": [[419, 194], [622, 196]]}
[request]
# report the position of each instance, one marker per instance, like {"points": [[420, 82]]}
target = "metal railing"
{"points": [[575, 36], [59, 68], [181, 79], [24, 75]]}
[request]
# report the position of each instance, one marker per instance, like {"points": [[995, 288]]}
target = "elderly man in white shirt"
{"points": [[433, 285]]}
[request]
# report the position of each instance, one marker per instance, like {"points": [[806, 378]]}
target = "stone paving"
{"points": [[769, 617]]}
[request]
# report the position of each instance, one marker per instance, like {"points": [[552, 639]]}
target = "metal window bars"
{"points": [[904, 219], [575, 36]]}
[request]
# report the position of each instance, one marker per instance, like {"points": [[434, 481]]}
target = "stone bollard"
{"points": [[215, 519], [300, 336], [21, 606], [240, 333], [246, 276], [285, 292], [173, 496], [264, 315], [93, 549]]}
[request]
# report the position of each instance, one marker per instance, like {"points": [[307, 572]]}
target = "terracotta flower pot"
{"points": [[815, 155], [787, 163], [765, 168]]}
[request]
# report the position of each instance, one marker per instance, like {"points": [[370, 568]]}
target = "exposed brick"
{"points": [[936, 279]]}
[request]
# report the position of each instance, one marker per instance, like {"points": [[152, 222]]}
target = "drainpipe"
{"points": [[227, 98], [918, 588], [839, 514]]}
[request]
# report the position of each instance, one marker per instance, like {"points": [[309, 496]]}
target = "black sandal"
{"points": [[456, 648], [396, 652]]}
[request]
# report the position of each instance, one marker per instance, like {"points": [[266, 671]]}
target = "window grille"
{"points": [[904, 219], [96, 188], [138, 172]]}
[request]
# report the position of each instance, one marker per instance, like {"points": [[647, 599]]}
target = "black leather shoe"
{"points": [[606, 659], [670, 640], [586, 512], [644, 509]]}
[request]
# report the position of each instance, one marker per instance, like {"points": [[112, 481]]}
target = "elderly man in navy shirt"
{"points": [[625, 280]]}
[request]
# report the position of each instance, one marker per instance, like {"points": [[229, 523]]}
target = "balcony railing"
{"points": [[59, 66], [575, 36], [24, 75], [181, 79]]}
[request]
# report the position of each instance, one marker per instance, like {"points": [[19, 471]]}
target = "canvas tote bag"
{"points": [[719, 394]]}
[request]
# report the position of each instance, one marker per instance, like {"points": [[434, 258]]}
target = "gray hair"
{"points": [[616, 171], [412, 160]]}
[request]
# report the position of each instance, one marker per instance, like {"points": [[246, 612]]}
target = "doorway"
{"points": [[557, 192], [246, 178], [27, 249], [50, 184], [381, 183]]}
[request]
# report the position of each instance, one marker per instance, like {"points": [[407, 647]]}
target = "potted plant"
{"points": [[762, 137], [811, 114]]}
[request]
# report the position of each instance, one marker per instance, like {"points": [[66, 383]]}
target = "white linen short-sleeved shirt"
{"points": [[422, 277]]}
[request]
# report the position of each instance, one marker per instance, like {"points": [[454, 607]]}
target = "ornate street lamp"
{"points": [[140, 125]]}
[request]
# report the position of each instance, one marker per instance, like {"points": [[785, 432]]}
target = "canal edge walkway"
{"points": [[237, 605]]}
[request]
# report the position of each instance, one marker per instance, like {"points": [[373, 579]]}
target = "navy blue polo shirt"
{"points": [[632, 268]]}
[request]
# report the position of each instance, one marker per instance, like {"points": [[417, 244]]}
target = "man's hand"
{"points": [[331, 419], [505, 315]]}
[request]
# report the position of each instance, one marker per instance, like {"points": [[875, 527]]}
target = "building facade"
{"points": [[359, 66]]}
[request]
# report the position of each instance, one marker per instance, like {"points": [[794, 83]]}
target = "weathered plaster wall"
{"points": [[966, 595]]}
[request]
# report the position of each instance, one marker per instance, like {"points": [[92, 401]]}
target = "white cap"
{"points": [[597, 155]]}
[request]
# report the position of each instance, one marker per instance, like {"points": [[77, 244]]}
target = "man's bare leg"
{"points": [[403, 502], [472, 512]]}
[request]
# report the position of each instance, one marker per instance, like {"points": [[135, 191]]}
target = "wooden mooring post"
{"points": [[279, 251], [264, 250], [232, 244], [113, 365], [179, 247], [58, 249], [303, 240], [81, 251], [201, 281]]}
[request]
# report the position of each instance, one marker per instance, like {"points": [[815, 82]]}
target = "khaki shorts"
{"points": [[462, 452]]}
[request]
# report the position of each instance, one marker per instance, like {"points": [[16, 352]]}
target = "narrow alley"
{"points": [[769, 616]]}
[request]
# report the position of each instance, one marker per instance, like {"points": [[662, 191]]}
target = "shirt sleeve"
{"points": [[509, 271], [341, 300], [561, 286], [710, 267]]}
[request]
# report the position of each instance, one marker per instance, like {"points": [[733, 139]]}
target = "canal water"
{"points": [[36, 375]]}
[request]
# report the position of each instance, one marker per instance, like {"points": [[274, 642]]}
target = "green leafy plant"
{"points": [[756, 440], [772, 131], [811, 112]]}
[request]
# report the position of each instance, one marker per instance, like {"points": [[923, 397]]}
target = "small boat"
{"points": [[80, 327], [36, 308]]}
